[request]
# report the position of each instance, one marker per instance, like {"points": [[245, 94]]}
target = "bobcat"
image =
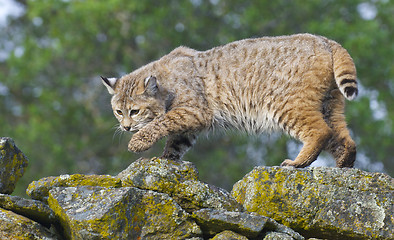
{"points": [[295, 83]]}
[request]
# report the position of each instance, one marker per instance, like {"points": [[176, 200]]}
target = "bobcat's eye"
{"points": [[119, 112], [134, 112]]}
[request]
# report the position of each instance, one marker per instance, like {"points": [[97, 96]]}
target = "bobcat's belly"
{"points": [[250, 123]]}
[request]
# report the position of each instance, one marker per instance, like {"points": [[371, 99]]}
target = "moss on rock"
{"points": [[33, 209], [322, 202], [253, 226], [39, 190], [12, 165], [226, 235], [14, 226], [179, 179], [90, 212]]}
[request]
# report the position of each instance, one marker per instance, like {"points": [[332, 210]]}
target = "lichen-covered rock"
{"points": [[322, 202], [39, 190], [179, 179], [275, 227], [89, 212], [33, 209], [14, 226], [213, 221], [277, 236], [172, 171], [12, 165], [226, 235]]}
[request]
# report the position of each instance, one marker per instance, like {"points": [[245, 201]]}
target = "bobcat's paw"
{"points": [[139, 143], [289, 163]]}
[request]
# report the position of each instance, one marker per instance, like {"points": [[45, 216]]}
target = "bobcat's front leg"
{"points": [[178, 145], [177, 121], [142, 140]]}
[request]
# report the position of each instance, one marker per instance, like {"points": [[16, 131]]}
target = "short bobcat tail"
{"points": [[344, 71]]}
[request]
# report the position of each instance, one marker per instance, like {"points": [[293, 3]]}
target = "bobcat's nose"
{"points": [[127, 128]]}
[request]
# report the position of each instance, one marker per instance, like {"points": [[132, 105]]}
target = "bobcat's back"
{"points": [[255, 84]]}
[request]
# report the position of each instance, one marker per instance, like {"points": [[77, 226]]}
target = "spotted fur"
{"points": [[296, 84]]}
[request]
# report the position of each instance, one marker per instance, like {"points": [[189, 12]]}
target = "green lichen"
{"points": [[330, 202], [12, 165], [39, 189], [32, 209], [122, 213], [179, 179], [229, 235], [272, 189], [14, 226]]}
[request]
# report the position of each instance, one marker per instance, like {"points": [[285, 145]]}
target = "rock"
{"points": [[14, 226], [275, 227], [90, 212], [277, 236], [322, 202], [39, 190], [213, 221], [227, 235], [179, 179], [164, 199], [31, 209], [12, 165], [173, 171]]}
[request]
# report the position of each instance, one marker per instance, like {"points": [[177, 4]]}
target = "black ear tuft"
{"points": [[109, 83], [106, 81], [151, 87]]}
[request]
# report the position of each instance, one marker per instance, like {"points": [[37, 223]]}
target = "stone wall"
{"points": [[163, 199]]}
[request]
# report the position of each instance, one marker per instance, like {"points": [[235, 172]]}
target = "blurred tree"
{"points": [[53, 104]]}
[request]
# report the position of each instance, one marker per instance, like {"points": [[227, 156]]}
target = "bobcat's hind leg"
{"points": [[341, 145], [314, 133], [178, 145], [343, 148]]}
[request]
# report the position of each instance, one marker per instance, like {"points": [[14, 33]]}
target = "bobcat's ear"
{"points": [[109, 83], [150, 84]]}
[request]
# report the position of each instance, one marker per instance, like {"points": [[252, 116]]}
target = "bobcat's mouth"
{"points": [[133, 129], [129, 129], [126, 129]]}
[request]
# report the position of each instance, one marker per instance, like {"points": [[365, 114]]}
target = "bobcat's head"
{"points": [[136, 102]]}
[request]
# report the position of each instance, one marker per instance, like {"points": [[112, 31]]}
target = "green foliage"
{"points": [[59, 114]]}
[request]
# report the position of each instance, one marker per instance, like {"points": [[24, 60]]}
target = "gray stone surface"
{"points": [[179, 179], [214, 221], [322, 202], [89, 212], [164, 199], [12, 165], [14, 226], [39, 190], [277, 236], [229, 235], [33, 209]]}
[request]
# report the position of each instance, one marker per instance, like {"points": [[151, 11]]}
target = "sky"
{"points": [[9, 8]]}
